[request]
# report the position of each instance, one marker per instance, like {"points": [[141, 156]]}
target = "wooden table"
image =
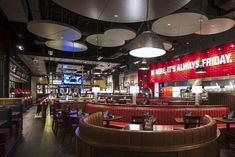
{"points": [[228, 138], [2, 122], [139, 127], [111, 118], [226, 121]]}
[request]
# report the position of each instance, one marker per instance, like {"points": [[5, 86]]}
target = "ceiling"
{"points": [[43, 65], [101, 57]]}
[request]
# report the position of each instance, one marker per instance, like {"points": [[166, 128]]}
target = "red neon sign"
{"points": [[218, 61]]}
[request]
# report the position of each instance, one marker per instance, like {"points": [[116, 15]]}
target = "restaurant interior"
{"points": [[111, 78]]}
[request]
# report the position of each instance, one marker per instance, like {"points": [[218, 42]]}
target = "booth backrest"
{"points": [[96, 119], [93, 133], [156, 101], [5, 114], [15, 108], [163, 115]]}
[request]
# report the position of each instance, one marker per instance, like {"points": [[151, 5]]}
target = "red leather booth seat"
{"points": [[163, 114], [158, 101], [155, 101], [179, 102]]}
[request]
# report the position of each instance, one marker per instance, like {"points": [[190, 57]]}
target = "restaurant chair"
{"points": [[137, 119], [68, 127], [192, 121], [57, 122]]}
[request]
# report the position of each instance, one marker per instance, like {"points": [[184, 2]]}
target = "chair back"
{"points": [[137, 119], [192, 121]]}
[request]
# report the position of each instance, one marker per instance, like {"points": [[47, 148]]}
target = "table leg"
{"points": [[107, 123], [227, 126]]}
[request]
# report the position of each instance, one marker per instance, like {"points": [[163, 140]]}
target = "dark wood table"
{"points": [[226, 121], [228, 135], [139, 127], [111, 118], [2, 122]]}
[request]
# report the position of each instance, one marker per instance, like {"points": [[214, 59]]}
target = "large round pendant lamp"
{"points": [[147, 45]]}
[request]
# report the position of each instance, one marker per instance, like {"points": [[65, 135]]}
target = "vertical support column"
{"points": [[115, 81], [4, 65]]}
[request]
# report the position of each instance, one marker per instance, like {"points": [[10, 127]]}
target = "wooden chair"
{"points": [[192, 121], [137, 119], [58, 122], [69, 127]]}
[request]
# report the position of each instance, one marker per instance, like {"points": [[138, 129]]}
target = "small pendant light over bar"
{"points": [[97, 71], [200, 69], [147, 45], [144, 65]]}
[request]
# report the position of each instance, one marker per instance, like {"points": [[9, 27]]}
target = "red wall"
{"points": [[218, 61]]}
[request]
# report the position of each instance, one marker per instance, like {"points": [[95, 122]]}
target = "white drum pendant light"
{"points": [[147, 45]]}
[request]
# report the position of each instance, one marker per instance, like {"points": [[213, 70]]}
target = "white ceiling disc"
{"points": [[120, 33], [179, 24], [66, 46], [123, 11], [104, 41], [217, 25], [53, 30], [167, 45]]}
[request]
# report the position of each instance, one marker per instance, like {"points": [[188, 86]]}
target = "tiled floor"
{"points": [[39, 141]]}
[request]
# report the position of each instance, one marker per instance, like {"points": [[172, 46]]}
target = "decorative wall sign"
{"points": [[218, 61]]}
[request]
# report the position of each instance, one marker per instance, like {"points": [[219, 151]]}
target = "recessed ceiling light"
{"points": [[187, 43], [136, 62], [219, 49], [232, 45], [168, 24], [20, 47], [116, 15], [50, 52]]}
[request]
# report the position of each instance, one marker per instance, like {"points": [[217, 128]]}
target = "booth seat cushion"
{"points": [[163, 115]]}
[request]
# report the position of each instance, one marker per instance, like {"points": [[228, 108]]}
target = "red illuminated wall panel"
{"points": [[218, 61]]}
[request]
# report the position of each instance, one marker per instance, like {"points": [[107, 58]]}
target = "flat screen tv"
{"points": [[72, 79]]}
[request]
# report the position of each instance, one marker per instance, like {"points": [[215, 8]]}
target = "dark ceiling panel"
{"points": [[15, 10]]}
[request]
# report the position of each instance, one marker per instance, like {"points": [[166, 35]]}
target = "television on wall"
{"points": [[72, 79]]}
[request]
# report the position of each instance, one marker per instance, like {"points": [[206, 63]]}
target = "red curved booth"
{"points": [[163, 114]]}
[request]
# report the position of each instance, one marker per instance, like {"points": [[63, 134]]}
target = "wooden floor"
{"points": [[39, 141]]}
